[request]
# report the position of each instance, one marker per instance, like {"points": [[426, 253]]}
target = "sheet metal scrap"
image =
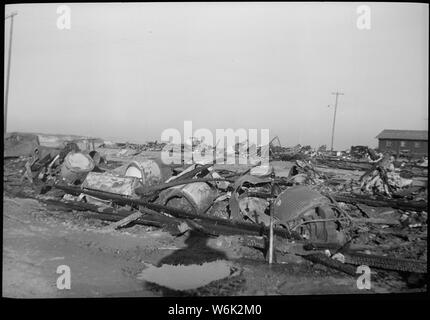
{"points": [[304, 172], [383, 178], [234, 199], [299, 204]]}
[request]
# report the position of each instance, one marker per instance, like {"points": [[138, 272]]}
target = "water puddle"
{"points": [[186, 277]]}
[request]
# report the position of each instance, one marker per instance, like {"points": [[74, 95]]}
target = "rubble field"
{"points": [[127, 225]]}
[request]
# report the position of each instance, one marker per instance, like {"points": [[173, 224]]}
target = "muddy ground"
{"points": [[38, 238]]}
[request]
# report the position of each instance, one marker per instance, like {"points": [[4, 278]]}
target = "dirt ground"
{"points": [[38, 238]]}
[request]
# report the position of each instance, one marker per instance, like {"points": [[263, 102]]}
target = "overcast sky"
{"points": [[129, 71]]}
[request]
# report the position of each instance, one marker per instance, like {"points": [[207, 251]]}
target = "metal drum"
{"points": [[193, 197], [109, 182], [76, 166], [147, 170]]}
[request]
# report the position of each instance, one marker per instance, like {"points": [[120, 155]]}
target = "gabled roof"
{"points": [[403, 134]]}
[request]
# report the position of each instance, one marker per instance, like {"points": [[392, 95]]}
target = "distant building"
{"points": [[404, 142]]}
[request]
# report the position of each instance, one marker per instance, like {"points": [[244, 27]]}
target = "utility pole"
{"points": [[337, 94], [8, 68]]}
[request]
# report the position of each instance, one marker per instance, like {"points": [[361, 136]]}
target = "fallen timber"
{"points": [[353, 257], [194, 172], [150, 217], [149, 191], [351, 254], [415, 171], [378, 262], [383, 202], [321, 258], [214, 224], [387, 263], [409, 169], [345, 165], [153, 189]]}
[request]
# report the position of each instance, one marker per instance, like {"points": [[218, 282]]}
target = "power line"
{"points": [[337, 94], [8, 68]]}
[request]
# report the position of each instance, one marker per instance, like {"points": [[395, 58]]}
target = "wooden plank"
{"points": [[125, 221], [392, 203]]}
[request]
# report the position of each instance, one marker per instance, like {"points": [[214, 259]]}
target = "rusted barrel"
{"points": [[109, 182], [147, 170], [76, 166], [193, 197]]}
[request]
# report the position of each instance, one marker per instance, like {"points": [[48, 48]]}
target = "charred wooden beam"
{"points": [[225, 225], [150, 218], [383, 202], [153, 189], [194, 172], [321, 258], [387, 263]]}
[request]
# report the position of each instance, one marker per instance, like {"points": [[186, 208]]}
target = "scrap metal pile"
{"points": [[149, 146], [378, 219], [363, 158]]}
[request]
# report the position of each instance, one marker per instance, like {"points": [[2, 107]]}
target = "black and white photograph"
{"points": [[215, 149]]}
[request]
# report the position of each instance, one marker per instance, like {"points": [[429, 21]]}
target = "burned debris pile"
{"points": [[376, 217]]}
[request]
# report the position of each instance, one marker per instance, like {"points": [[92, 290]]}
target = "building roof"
{"points": [[403, 134]]}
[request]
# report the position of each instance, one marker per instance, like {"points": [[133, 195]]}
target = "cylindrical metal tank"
{"points": [[147, 170], [76, 166], [193, 197], [109, 182]]}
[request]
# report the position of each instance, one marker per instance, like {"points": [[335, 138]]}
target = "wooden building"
{"points": [[412, 143]]}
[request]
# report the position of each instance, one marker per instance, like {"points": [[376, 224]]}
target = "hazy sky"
{"points": [[129, 71]]}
